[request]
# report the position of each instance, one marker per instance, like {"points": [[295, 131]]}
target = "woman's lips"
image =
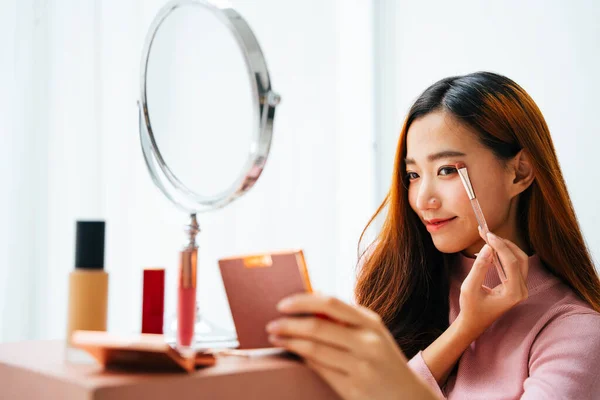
{"points": [[435, 225]]}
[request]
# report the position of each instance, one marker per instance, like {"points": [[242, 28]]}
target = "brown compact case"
{"points": [[255, 284], [142, 351]]}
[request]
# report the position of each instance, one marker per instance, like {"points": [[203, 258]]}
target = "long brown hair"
{"points": [[404, 278]]}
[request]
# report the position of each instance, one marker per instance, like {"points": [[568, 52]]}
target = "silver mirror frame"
{"points": [[265, 101]]}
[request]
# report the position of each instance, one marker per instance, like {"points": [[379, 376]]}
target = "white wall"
{"points": [[75, 154], [551, 48]]}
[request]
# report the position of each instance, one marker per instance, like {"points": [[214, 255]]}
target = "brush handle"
{"points": [[499, 267], [483, 225]]}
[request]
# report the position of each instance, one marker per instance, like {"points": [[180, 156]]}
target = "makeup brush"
{"points": [[464, 176]]}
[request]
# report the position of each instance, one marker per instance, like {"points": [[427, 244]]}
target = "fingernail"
{"points": [[273, 339], [491, 236], [284, 304], [273, 326], [485, 251]]}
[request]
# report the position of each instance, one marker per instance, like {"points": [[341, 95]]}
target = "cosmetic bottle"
{"points": [[153, 300], [186, 292], [88, 283]]}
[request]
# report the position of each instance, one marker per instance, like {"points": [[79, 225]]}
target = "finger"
{"points": [[339, 382], [307, 303], [482, 233], [476, 276], [328, 356], [312, 328], [509, 261], [521, 255]]}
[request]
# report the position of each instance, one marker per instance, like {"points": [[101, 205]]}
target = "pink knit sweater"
{"points": [[547, 347]]}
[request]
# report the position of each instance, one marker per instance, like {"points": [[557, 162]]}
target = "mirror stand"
{"points": [[189, 328], [205, 333]]}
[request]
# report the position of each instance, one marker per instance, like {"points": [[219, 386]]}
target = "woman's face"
{"points": [[435, 143]]}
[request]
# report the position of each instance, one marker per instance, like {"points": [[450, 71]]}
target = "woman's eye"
{"points": [[444, 171], [411, 176]]}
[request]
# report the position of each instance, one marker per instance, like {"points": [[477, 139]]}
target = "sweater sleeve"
{"points": [[418, 366], [564, 360]]}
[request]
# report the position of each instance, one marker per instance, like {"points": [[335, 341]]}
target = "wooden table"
{"points": [[39, 370]]}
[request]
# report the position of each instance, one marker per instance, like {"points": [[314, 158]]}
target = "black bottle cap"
{"points": [[89, 245]]}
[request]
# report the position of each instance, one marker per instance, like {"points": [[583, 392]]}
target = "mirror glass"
{"points": [[201, 101]]}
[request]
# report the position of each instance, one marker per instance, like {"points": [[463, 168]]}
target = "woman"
{"points": [[421, 292]]}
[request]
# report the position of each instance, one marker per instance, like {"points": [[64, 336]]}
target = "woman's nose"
{"points": [[427, 199]]}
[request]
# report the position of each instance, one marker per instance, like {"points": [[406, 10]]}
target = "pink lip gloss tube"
{"points": [[186, 301], [464, 176]]}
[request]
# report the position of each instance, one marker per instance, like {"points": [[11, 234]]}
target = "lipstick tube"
{"points": [[186, 292], [153, 301]]}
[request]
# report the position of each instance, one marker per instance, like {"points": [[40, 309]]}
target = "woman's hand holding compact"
{"points": [[353, 351], [351, 348], [480, 305]]}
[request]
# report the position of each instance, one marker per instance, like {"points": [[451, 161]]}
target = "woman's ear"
{"points": [[522, 172]]}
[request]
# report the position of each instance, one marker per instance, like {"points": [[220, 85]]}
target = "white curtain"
{"points": [[70, 150]]}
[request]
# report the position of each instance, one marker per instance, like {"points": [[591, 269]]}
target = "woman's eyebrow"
{"points": [[438, 156]]}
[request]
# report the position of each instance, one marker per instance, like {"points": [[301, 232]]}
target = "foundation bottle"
{"points": [[88, 283]]}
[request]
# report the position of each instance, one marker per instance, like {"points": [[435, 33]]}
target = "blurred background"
{"points": [[347, 72]]}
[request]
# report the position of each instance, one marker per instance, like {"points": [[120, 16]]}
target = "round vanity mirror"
{"points": [[207, 106], [206, 117]]}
